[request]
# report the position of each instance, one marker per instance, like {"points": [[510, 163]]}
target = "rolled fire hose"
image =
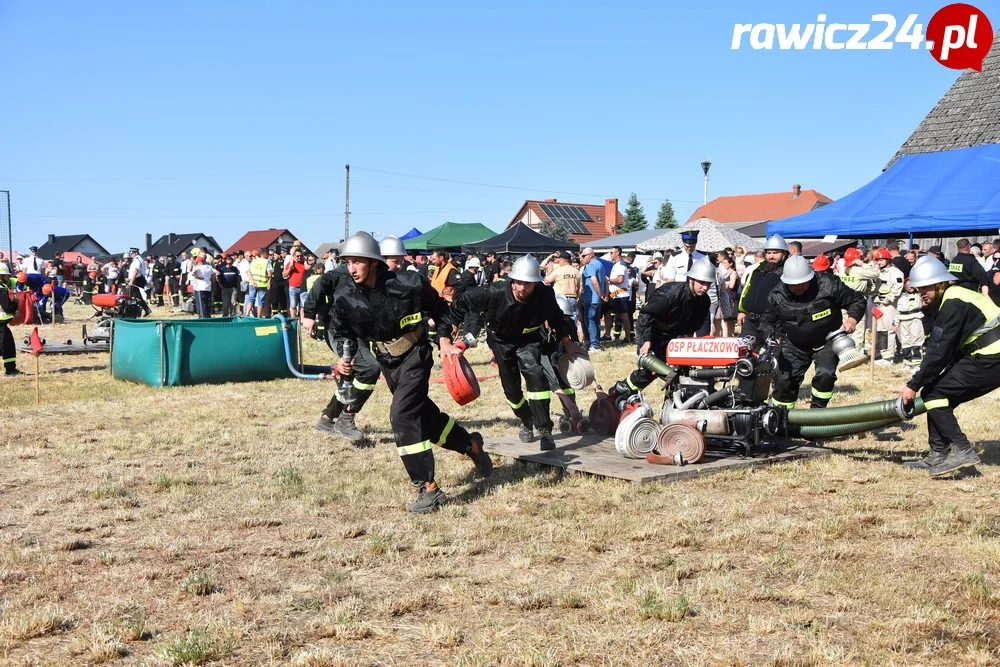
{"points": [[603, 415], [851, 414], [576, 370], [627, 441], [678, 444], [639, 438]]}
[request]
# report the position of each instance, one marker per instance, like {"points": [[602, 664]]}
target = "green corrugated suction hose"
{"points": [[852, 414]]}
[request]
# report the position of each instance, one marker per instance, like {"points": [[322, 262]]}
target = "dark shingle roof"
{"points": [[967, 115], [66, 243], [165, 245]]}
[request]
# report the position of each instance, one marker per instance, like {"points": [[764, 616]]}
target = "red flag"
{"points": [[36, 342]]}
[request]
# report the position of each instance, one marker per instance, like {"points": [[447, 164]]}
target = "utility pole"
{"points": [[705, 165], [7, 226], [347, 204]]}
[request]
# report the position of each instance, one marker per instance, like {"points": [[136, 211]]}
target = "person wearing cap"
{"points": [[228, 277], [136, 279], [383, 311], [565, 280], [33, 264], [961, 362], [672, 310], [803, 310], [514, 312], [759, 281], [8, 308], [968, 272], [677, 266], [261, 270]]}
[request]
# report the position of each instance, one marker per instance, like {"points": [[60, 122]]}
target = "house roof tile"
{"points": [[745, 210]]}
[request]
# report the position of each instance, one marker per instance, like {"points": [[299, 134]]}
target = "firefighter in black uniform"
{"points": [[758, 282], [968, 272], [384, 309], [8, 308], [514, 312], [338, 416], [804, 309], [673, 309], [961, 362], [158, 270]]}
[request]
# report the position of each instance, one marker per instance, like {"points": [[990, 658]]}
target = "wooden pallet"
{"points": [[596, 455], [64, 346]]}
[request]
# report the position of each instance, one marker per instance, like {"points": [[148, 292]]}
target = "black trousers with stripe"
{"points": [[366, 372], [968, 378], [793, 362], [417, 423], [513, 361], [8, 350]]}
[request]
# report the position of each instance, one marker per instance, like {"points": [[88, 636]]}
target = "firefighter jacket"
{"points": [[806, 320], [967, 323], [671, 310], [158, 272], [317, 304], [863, 279], [508, 320], [466, 281], [172, 269], [909, 306], [759, 281], [8, 304], [890, 286], [393, 309], [968, 272]]}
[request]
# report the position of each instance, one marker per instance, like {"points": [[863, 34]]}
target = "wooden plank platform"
{"points": [[596, 455], [64, 346]]}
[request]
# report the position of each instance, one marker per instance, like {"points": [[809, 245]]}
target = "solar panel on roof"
{"points": [[584, 215]]}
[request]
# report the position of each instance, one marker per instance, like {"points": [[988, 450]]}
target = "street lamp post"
{"points": [[704, 167]]}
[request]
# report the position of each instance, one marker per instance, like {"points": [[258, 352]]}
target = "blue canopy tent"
{"points": [[410, 234], [949, 193]]}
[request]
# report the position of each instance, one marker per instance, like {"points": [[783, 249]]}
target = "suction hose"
{"points": [[830, 430], [650, 363], [285, 327], [893, 409]]}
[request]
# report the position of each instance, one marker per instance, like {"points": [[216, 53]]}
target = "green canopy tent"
{"points": [[450, 235]]}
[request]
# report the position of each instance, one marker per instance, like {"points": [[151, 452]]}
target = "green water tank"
{"points": [[170, 353]]}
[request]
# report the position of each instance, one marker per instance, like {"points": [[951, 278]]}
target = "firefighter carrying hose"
{"points": [[961, 362], [384, 309], [758, 282], [338, 416], [672, 310], [804, 309], [514, 311]]}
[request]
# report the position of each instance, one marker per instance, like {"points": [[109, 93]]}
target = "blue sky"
{"points": [[121, 118]]}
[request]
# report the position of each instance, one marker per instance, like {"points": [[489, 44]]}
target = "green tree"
{"points": [[665, 218], [555, 230], [635, 218]]}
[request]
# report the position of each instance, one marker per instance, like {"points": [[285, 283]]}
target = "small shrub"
{"points": [[194, 648], [651, 607], [200, 583]]}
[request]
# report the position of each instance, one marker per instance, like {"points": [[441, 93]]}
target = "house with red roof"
{"points": [[265, 238], [583, 222], [751, 213]]}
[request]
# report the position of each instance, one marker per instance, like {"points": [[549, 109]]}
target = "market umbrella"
{"points": [[712, 237]]}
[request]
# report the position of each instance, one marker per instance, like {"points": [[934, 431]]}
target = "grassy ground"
{"points": [[213, 523]]}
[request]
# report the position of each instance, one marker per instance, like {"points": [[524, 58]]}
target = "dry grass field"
{"points": [[213, 524]]}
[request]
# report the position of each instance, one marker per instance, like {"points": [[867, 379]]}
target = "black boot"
{"points": [[960, 456], [881, 343], [526, 434], [926, 463], [620, 388], [479, 456], [429, 499], [547, 444]]}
